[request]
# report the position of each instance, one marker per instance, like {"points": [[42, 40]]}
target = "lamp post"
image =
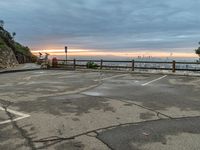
{"points": [[66, 53]]}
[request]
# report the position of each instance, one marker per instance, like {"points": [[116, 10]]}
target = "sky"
{"points": [[113, 27]]}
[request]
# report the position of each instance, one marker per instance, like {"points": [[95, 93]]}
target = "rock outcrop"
{"points": [[9, 49], [7, 56]]}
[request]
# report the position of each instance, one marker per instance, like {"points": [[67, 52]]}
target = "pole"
{"points": [[174, 66], [101, 64], [133, 65], [74, 64], [66, 58], [66, 53]]}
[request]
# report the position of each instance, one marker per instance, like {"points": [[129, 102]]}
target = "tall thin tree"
{"points": [[1, 23]]}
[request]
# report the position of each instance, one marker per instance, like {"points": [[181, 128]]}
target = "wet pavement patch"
{"points": [[158, 96], [60, 105], [131, 137]]}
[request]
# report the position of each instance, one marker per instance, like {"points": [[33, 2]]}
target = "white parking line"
{"points": [[154, 80], [121, 75], [22, 116]]}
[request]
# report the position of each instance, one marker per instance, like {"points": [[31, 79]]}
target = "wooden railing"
{"points": [[132, 65]]}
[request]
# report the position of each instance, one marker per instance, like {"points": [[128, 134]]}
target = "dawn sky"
{"points": [[105, 25]]}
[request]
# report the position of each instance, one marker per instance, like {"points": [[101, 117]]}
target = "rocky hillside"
{"points": [[7, 56], [9, 49]]}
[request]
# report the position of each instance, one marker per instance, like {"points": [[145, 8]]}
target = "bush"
{"points": [[2, 44], [198, 51], [23, 49], [91, 65]]}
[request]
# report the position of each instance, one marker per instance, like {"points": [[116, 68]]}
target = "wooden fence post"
{"points": [[74, 64], [174, 66], [101, 65], [133, 65]]}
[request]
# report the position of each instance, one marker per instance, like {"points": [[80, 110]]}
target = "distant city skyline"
{"points": [[84, 53], [106, 27]]}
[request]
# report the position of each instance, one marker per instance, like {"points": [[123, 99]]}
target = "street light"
{"points": [[66, 53]]}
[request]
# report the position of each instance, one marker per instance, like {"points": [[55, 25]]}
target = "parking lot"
{"points": [[85, 110]]}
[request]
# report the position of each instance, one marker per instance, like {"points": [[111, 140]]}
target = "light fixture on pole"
{"points": [[66, 53]]}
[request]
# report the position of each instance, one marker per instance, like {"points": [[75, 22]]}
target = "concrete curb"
{"points": [[66, 69], [110, 71], [141, 72], [20, 70], [131, 72]]}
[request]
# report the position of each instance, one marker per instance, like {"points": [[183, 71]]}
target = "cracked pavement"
{"points": [[85, 110]]}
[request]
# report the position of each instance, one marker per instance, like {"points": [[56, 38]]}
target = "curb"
{"points": [[20, 70], [140, 72]]}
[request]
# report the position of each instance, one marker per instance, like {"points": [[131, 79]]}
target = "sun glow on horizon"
{"points": [[59, 50], [84, 52]]}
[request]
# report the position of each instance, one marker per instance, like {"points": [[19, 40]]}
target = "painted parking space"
{"points": [[15, 115]]}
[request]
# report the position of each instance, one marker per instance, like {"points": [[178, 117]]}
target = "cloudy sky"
{"points": [[105, 25]]}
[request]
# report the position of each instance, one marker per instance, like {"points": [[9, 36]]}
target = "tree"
{"points": [[198, 50], [1, 23], [13, 35]]}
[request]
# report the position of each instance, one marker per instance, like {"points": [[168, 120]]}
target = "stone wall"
{"points": [[7, 58]]}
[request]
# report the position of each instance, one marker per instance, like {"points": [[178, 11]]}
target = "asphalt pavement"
{"points": [[86, 110]]}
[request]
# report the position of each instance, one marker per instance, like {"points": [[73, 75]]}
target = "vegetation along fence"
{"points": [[129, 65]]}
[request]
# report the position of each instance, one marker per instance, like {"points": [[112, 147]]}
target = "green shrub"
{"points": [[23, 49], [91, 65], [2, 44], [197, 51]]}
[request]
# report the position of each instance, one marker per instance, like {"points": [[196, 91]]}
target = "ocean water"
{"points": [[128, 58]]}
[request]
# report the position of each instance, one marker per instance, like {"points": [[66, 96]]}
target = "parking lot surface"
{"points": [[85, 110]]}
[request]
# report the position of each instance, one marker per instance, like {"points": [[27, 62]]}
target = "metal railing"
{"points": [[132, 64]]}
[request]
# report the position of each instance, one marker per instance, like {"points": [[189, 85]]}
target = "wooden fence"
{"points": [[132, 65]]}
